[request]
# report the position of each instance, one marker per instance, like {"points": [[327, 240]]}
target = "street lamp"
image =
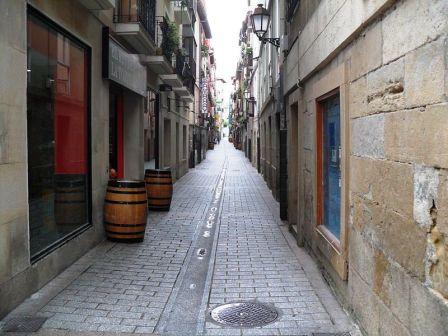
{"points": [[260, 20], [247, 95]]}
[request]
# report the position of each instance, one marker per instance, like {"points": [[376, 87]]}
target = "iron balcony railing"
{"points": [[161, 34], [182, 66], [189, 6], [190, 78], [183, 3], [137, 11]]}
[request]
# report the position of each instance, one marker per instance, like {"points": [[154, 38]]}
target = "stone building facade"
{"points": [[256, 99], [269, 114], [20, 274], [172, 82], [366, 102], [84, 82]]}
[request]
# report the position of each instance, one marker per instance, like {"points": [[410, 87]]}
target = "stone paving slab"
{"points": [[126, 289]]}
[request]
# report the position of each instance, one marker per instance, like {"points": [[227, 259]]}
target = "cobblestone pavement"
{"points": [[160, 285]]}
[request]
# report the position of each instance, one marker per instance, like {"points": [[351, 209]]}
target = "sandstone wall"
{"points": [[389, 61], [18, 277]]}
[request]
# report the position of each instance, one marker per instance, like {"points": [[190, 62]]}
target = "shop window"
{"points": [[57, 118], [329, 166]]}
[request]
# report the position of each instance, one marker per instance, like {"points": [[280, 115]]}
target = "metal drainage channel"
{"points": [[181, 313], [244, 314]]}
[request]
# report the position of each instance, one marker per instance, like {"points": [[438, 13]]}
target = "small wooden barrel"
{"points": [[211, 145], [125, 211], [159, 187]]}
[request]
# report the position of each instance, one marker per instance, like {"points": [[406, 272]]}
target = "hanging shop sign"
{"points": [[204, 96], [121, 67]]}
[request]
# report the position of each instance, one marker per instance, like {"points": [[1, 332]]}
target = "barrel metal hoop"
{"points": [[126, 192], [124, 225], [123, 202], [125, 233], [159, 183], [158, 171], [126, 184]]}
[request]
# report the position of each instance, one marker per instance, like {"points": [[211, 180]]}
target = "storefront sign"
{"points": [[204, 96], [121, 67]]}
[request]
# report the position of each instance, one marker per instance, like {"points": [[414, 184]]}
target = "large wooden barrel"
{"points": [[125, 211], [159, 187]]}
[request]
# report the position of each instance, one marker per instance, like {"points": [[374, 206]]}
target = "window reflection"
{"points": [[57, 135]]}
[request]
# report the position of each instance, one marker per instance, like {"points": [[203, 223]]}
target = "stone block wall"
{"points": [[399, 146], [20, 278], [269, 147], [178, 165], [393, 90], [13, 151]]}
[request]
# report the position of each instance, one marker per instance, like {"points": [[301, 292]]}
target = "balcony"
{"points": [[162, 62], [175, 80], [135, 22], [184, 12], [188, 76]]}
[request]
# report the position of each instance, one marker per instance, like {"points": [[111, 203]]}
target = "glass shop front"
{"points": [[58, 135]]}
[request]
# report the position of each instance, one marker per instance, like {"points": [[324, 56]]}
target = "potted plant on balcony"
{"points": [[170, 41], [204, 49]]}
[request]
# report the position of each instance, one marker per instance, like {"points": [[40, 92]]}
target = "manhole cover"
{"points": [[24, 324], [244, 314]]}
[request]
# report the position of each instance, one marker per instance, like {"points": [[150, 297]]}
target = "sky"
{"points": [[225, 18]]}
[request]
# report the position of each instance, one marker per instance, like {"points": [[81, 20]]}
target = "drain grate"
{"points": [[244, 314], [24, 324]]}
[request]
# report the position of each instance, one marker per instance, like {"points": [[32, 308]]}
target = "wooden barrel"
{"points": [[125, 211], [159, 187]]}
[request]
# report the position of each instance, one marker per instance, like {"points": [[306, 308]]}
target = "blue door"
{"points": [[332, 166]]}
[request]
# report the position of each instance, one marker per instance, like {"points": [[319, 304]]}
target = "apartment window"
{"points": [[329, 165], [58, 136]]}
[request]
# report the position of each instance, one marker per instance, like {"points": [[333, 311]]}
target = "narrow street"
{"points": [[220, 243]]}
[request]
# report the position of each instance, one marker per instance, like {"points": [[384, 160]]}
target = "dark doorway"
{"points": [[116, 161]]}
